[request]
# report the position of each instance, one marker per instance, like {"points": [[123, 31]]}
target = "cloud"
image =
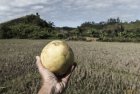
{"points": [[23, 3], [4, 8], [71, 12], [37, 7]]}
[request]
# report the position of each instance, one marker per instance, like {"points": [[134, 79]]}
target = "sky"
{"points": [[71, 12]]}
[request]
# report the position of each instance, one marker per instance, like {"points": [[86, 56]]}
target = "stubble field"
{"points": [[103, 67]]}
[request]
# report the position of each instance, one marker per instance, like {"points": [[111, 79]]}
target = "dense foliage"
{"points": [[32, 26]]}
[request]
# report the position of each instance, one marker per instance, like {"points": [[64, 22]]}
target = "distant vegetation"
{"points": [[112, 30], [33, 27]]}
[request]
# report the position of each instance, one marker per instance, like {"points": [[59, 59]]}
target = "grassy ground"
{"points": [[103, 68]]}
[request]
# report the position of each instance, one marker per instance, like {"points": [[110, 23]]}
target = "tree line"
{"points": [[112, 30], [33, 27]]}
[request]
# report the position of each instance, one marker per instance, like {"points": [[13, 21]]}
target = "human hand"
{"points": [[52, 84]]}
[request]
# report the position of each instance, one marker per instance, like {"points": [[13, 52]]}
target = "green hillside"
{"points": [[30, 26]]}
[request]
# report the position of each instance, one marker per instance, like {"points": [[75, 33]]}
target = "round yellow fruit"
{"points": [[57, 57]]}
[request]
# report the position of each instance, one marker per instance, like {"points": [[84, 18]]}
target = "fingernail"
{"points": [[36, 57]]}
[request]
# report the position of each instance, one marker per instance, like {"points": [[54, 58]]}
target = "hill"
{"points": [[29, 26]]}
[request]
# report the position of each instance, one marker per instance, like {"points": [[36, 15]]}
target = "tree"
{"points": [[6, 31]]}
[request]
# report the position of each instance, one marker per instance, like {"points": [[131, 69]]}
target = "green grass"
{"points": [[103, 67]]}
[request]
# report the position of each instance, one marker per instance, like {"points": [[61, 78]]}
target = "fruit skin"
{"points": [[57, 57]]}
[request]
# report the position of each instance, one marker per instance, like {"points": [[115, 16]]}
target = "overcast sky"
{"points": [[71, 12]]}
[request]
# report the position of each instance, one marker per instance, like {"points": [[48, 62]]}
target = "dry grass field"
{"points": [[103, 67]]}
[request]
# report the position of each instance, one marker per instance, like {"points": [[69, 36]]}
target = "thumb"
{"points": [[38, 63], [45, 73]]}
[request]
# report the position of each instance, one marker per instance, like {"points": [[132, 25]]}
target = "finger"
{"points": [[60, 87], [42, 70], [66, 78], [45, 73], [38, 63]]}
